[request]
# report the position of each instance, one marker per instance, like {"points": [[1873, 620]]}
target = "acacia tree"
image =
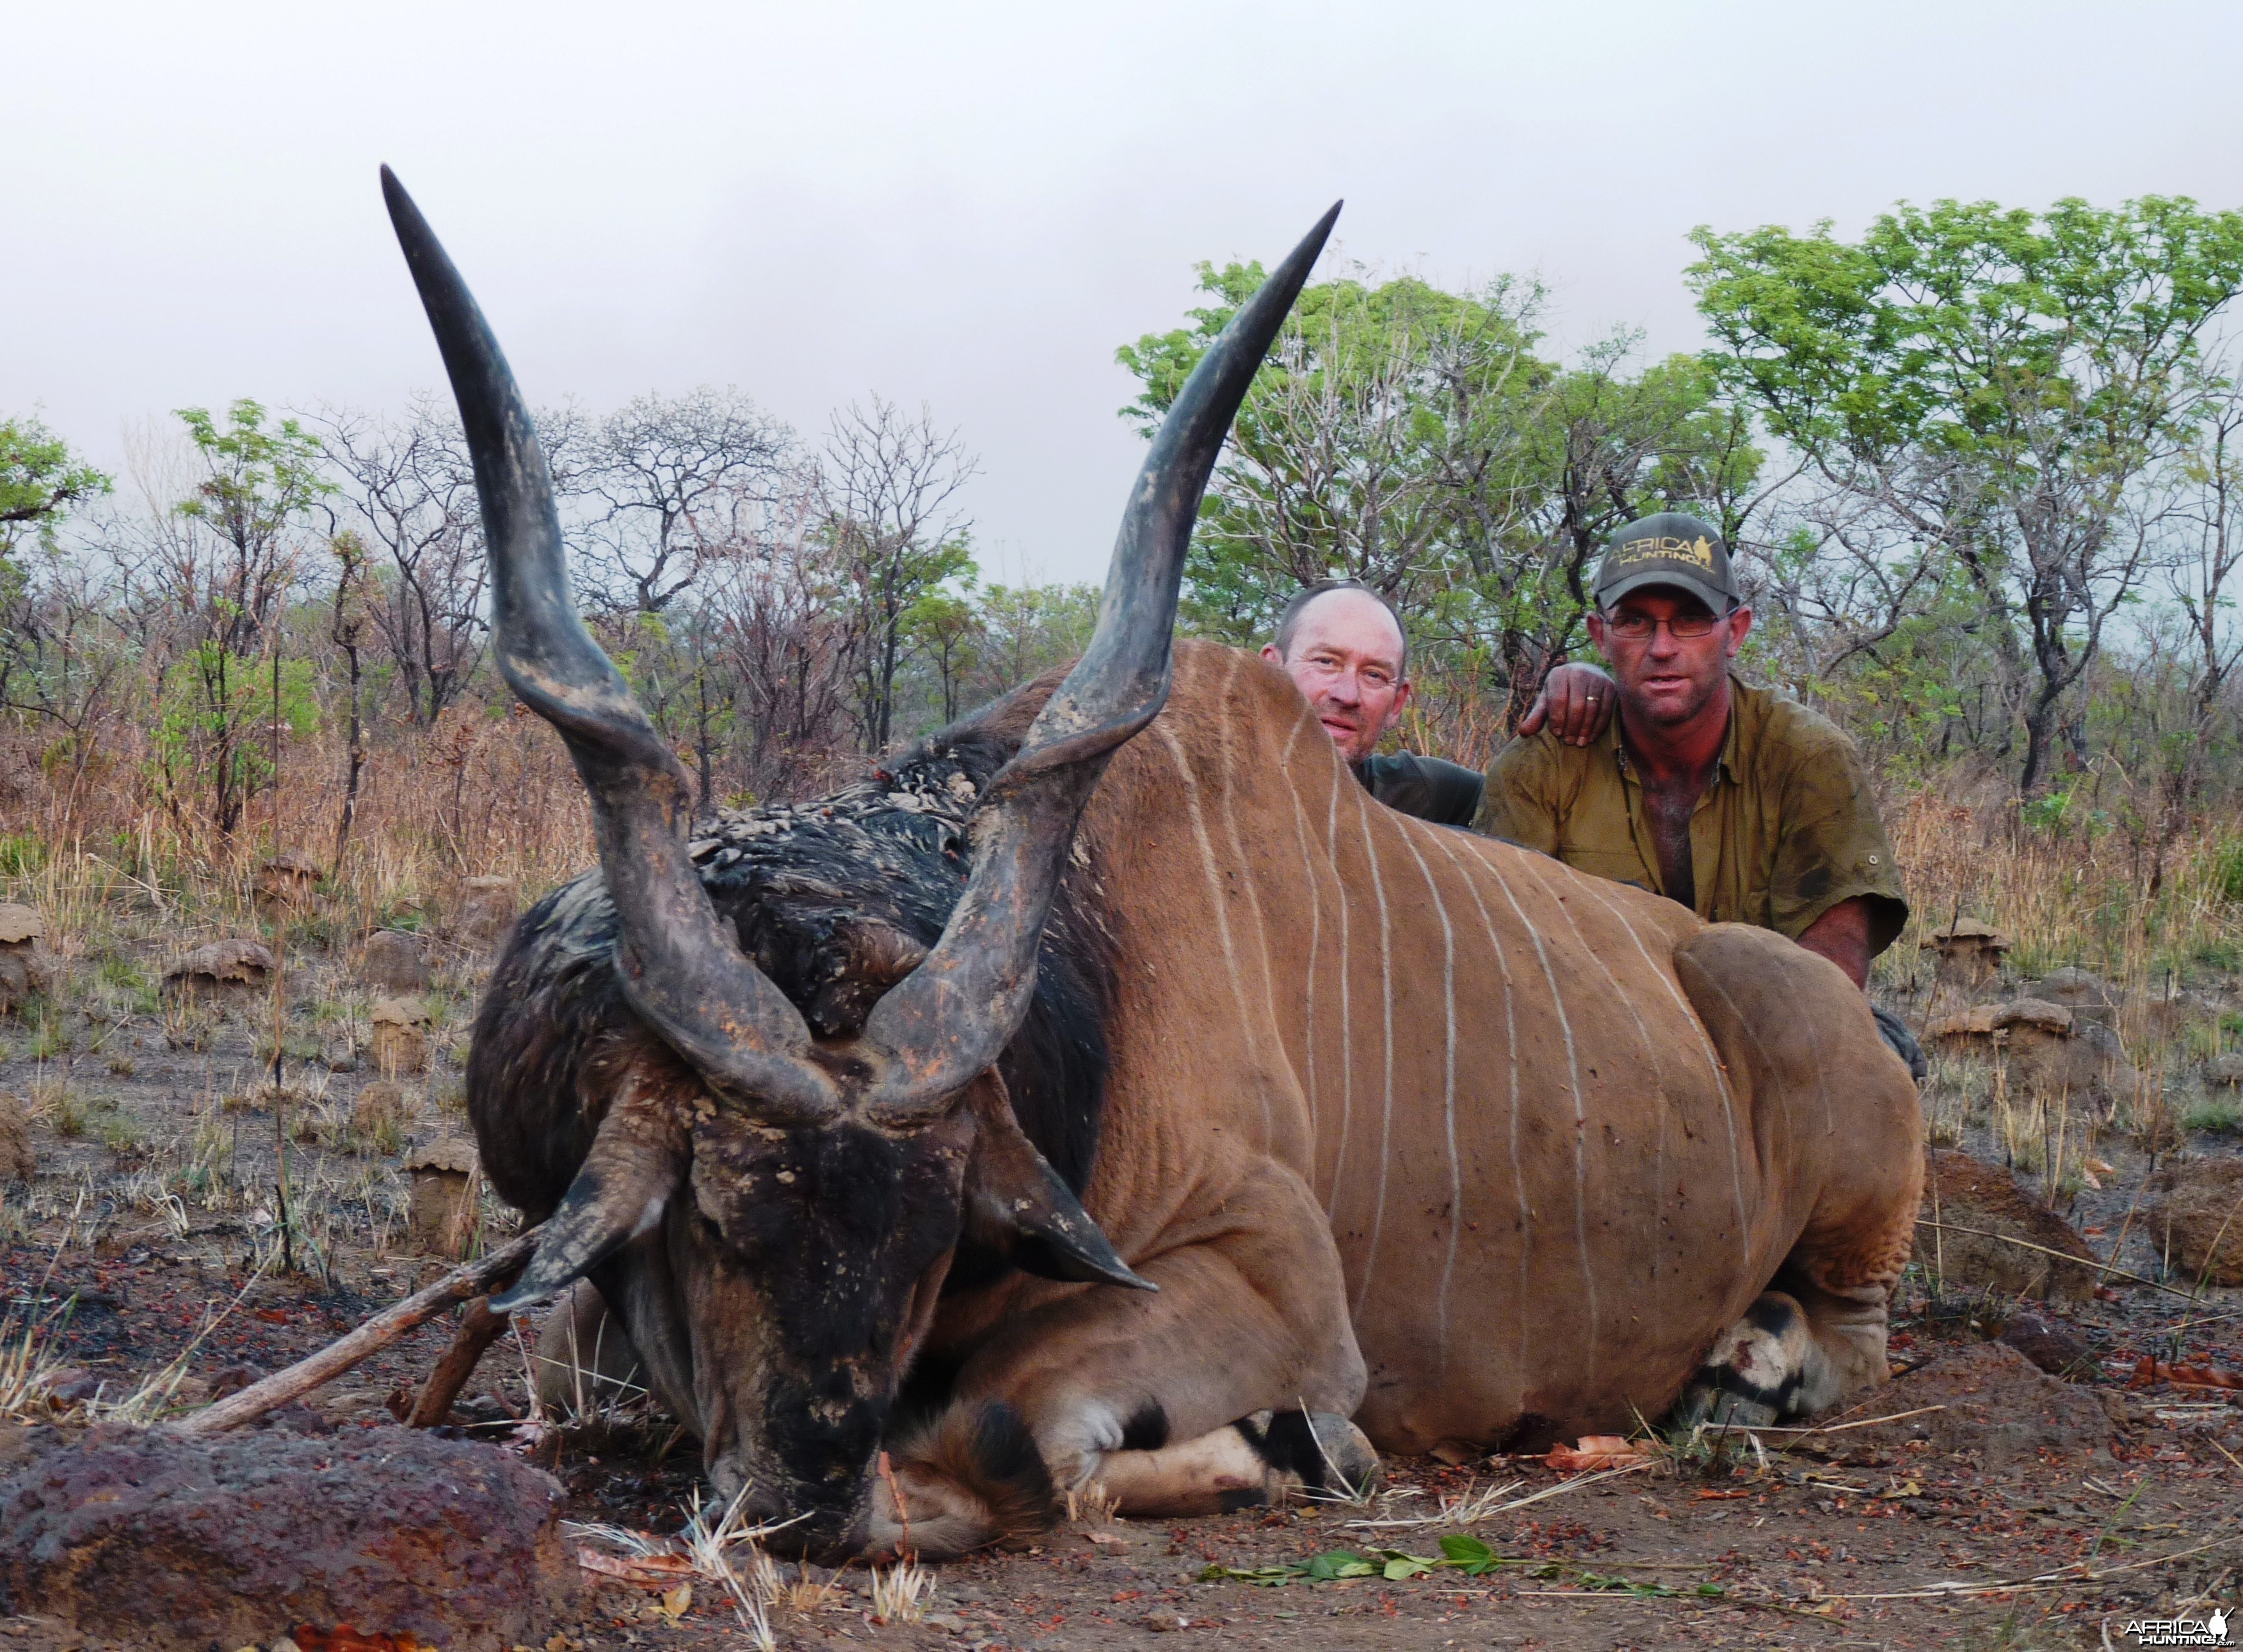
{"points": [[669, 482], [2001, 384], [223, 560]]}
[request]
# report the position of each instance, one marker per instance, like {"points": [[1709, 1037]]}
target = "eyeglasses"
{"points": [[1632, 627]]}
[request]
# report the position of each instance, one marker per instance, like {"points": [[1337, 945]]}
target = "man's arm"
{"points": [[1576, 701], [1841, 934], [1835, 890], [1431, 788]]}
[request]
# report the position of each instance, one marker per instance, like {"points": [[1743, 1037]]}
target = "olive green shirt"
{"points": [[1784, 830]]}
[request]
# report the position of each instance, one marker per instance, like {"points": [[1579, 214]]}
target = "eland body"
{"points": [[1057, 1106]]}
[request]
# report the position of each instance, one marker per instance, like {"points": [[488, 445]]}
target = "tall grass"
{"points": [[2089, 901], [491, 796]]}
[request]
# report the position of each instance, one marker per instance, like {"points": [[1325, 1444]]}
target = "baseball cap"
{"points": [[1669, 549]]}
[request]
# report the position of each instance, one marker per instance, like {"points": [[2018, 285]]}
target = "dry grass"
{"points": [[1092, 1505], [30, 1364], [480, 796], [2080, 899], [900, 1592], [2073, 900]]}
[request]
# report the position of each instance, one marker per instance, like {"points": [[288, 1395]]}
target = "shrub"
{"points": [[2213, 1115], [2225, 869]]}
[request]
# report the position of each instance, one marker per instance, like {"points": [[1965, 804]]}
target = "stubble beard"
{"points": [[1662, 711]]}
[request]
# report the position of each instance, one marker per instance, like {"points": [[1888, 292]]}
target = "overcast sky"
{"points": [[972, 206]]}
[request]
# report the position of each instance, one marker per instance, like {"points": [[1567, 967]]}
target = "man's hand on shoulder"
{"points": [[1576, 701]]}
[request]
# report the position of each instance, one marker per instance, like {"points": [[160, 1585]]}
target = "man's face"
{"points": [[1346, 658], [1667, 680]]}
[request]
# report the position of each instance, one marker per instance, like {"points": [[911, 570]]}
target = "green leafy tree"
{"points": [[1537, 488], [52, 662], [1998, 385], [40, 483], [194, 732], [235, 552], [1412, 438], [1029, 628], [945, 631], [1340, 462]]}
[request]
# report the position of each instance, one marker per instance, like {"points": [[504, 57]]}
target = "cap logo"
{"points": [[1664, 547]]}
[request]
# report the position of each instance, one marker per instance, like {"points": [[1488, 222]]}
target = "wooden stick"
{"points": [[1836, 1428], [475, 1279], [2061, 1256], [478, 1328]]}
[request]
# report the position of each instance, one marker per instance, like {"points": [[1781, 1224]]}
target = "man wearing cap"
{"points": [[1743, 806]]}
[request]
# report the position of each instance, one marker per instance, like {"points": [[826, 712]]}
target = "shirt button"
{"points": [[1873, 860]]}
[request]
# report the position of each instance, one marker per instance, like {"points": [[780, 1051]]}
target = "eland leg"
{"points": [[1799, 1350], [1226, 1389], [1836, 1119], [1257, 1460]]}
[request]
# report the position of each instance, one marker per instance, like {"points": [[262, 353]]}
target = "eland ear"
{"points": [[637, 1160], [1016, 1204]]}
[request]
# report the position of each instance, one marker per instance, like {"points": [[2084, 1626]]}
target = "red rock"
{"points": [[173, 1544]]}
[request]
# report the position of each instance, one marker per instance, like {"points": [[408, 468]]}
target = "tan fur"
{"points": [[1209, 1475], [950, 1502], [1607, 1126]]}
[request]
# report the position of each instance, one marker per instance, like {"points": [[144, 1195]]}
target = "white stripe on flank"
{"points": [[1222, 918], [1511, 1043], [1409, 830], [1386, 996], [1752, 1033], [1316, 913], [1341, 778], [1712, 1065], [1581, 1125], [1230, 766]]}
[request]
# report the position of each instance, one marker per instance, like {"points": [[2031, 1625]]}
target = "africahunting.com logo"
{"points": [[2178, 1631]]}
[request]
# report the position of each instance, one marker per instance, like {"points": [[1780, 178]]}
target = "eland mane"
{"points": [[832, 899]]}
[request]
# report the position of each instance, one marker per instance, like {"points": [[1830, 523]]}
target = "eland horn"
{"points": [[681, 968], [952, 1016]]}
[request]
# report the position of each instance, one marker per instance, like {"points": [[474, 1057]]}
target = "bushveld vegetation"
{"points": [[1978, 466]]}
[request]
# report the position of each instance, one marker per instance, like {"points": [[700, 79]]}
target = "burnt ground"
{"points": [[2030, 1513], [1907, 1534]]}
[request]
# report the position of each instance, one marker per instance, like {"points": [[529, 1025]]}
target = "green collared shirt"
{"points": [[1784, 830]]}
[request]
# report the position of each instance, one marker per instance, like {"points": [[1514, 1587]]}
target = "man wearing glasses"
{"points": [[1744, 806]]}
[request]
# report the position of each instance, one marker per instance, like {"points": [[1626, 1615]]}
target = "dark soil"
{"points": [[2030, 1512]]}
